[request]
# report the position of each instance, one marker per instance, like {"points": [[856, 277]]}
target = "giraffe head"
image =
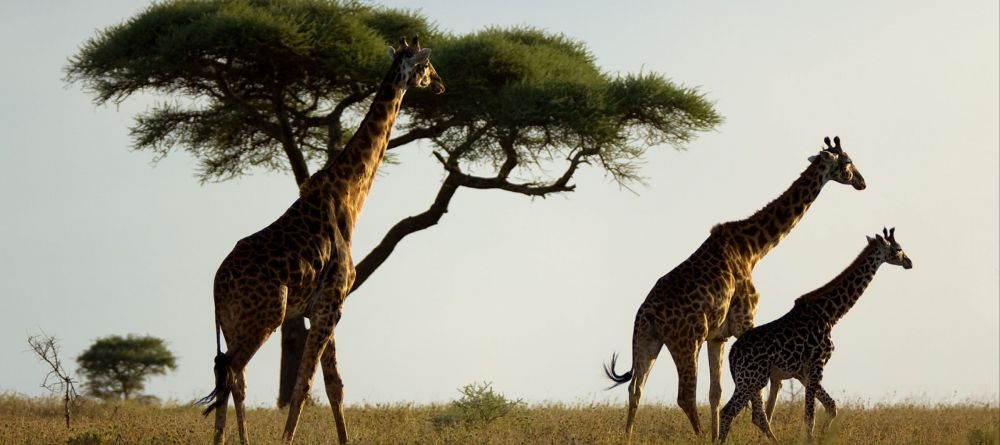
{"points": [[888, 250], [413, 66], [834, 160]]}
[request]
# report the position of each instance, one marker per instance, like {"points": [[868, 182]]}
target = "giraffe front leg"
{"points": [[715, 351], [319, 336], [828, 404], [334, 387], [810, 401]]}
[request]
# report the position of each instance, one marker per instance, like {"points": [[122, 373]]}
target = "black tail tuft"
{"points": [[223, 386], [610, 372]]}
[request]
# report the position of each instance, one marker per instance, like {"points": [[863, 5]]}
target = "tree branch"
{"points": [[502, 183], [299, 167], [333, 123], [405, 227], [507, 145], [456, 179], [417, 133]]}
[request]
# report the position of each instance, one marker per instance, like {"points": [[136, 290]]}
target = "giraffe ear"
{"points": [[392, 53], [870, 239], [812, 158]]}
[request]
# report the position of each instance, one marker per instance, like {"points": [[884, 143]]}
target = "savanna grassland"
{"points": [[40, 421]]}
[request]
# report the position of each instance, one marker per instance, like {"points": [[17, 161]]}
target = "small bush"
{"points": [[478, 405], [91, 438], [980, 437]]}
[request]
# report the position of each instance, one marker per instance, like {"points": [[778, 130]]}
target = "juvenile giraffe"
{"points": [[710, 296], [301, 263], [798, 344]]}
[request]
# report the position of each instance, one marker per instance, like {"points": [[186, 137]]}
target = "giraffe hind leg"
{"points": [[772, 397], [239, 396], [732, 409], [320, 335], [246, 328], [759, 418], [645, 349], [242, 352], [218, 399], [686, 359]]}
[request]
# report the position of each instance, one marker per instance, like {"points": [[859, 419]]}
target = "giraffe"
{"points": [[798, 344], [301, 263], [710, 296]]}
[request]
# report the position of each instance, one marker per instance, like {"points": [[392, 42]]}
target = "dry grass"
{"points": [[39, 421]]}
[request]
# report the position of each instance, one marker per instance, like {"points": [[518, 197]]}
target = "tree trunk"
{"points": [[293, 330], [66, 404], [293, 343]]}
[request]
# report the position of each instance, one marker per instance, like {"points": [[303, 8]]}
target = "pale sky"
{"points": [[536, 295]]}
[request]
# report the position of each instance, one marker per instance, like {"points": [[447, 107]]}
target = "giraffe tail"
{"points": [[219, 396], [609, 370]]}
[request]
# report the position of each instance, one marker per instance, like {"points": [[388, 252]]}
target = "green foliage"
{"points": [[118, 366], [255, 83], [234, 62], [478, 405], [540, 99]]}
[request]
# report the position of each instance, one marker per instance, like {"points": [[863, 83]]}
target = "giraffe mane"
{"points": [[823, 291]]}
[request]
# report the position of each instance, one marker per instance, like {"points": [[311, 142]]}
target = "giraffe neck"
{"points": [[349, 175], [832, 301], [762, 231]]}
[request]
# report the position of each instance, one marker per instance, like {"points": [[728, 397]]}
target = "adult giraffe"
{"points": [[711, 296], [301, 263]]}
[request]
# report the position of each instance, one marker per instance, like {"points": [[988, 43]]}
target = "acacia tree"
{"points": [[118, 366], [278, 85]]}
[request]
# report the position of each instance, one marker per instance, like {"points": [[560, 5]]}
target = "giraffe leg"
{"points": [[644, 353], [334, 388], [686, 358], [319, 336], [243, 339], [240, 357], [810, 401], [715, 351], [812, 384], [239, 395], [732, 409], [220, 421], [828, 404], [759, 418], [772, 397], [240, 353]]}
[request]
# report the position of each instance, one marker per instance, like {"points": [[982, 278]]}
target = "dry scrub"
{"points": [[40, 421]]}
